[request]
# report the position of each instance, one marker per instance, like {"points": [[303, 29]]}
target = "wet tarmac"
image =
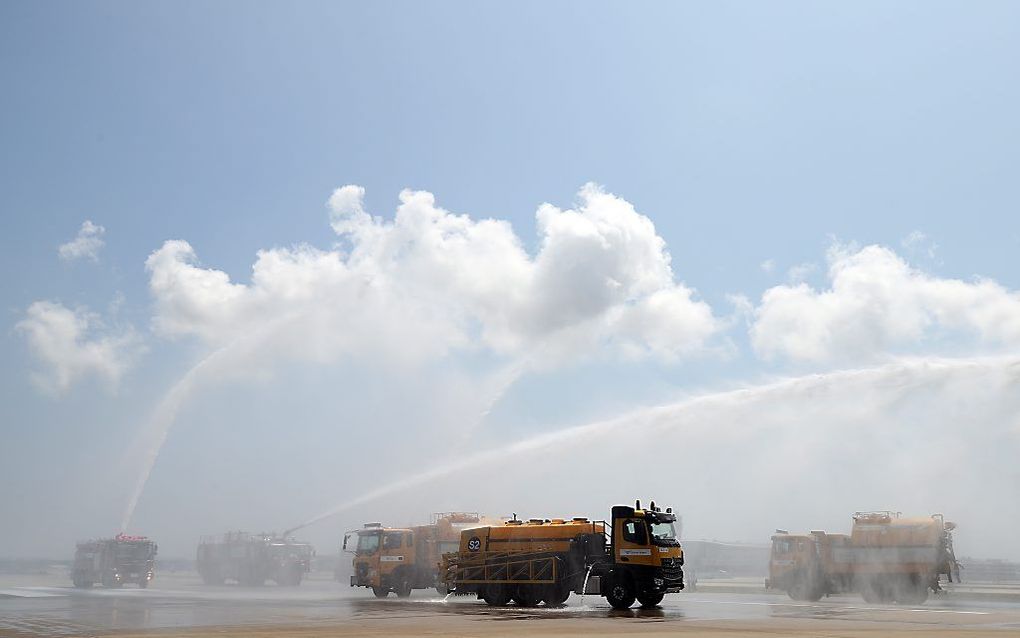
{"points": [[182, 602]]}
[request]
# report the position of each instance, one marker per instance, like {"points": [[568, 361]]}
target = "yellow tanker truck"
{"points": [[886, 558], [399, 559], [635, 555]]}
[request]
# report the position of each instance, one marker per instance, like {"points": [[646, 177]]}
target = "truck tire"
{"points": [[650, 600], [877, 590], [289, 576], [556, 594], [253, 581], [620, 594], [381, 592], [913, 597], [495, 595], [911, 590], [403, 588], [807, 589], [527, 595]]}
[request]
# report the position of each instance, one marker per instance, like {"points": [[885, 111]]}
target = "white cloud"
{"points": [[800, 272], [878, 304], [86, 245], [431, 281], [67, 347]]}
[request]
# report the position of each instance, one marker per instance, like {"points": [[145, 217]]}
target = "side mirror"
{"points": [[346, 536]]}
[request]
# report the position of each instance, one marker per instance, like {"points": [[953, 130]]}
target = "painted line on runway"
{"points": [[30, 592], [889, 609]]}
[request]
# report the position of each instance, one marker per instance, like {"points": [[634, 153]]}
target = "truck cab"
{"points": [[114, 561], [646, 556], [289, 560], [809, 566], [792, 556], [384, 559]]}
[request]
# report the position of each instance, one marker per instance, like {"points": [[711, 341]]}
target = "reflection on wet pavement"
{"points": [[64, 611]]}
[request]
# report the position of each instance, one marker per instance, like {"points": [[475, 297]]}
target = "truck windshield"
{"points": [[368, 543], [290, 549], [132, 551], [663, 531]]}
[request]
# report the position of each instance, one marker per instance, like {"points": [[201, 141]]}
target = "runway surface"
{"points": [[181, 606]]}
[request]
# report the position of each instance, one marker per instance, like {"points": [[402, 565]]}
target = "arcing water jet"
{"points": [[847, 440]]}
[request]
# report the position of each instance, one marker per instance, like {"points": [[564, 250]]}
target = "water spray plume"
{"points": [[157, 428], [822, 410], [154, 434]]}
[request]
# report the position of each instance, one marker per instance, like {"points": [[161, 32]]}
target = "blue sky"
{"points": [[754, 136]]}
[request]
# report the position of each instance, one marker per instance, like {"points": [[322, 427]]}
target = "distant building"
{"points": [[712, 559], [989, 570]]}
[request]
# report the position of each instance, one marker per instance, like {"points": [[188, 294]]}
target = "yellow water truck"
{"points": [[399, 559], [886, 558], [633, 556]]}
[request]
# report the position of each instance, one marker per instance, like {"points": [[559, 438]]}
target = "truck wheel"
{"points": [[913, 596], [495, 595], [805, 590], [555, 595], [877, 590], [380, 592], [650, 600], [527, 595], [796, 591], [620, 595], [290, 577], [403, 588], [911, 591]]}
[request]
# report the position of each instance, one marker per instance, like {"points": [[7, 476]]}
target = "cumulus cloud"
{"points": [[430, 281], [878, 304], [69, 346], [86, 244]]}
